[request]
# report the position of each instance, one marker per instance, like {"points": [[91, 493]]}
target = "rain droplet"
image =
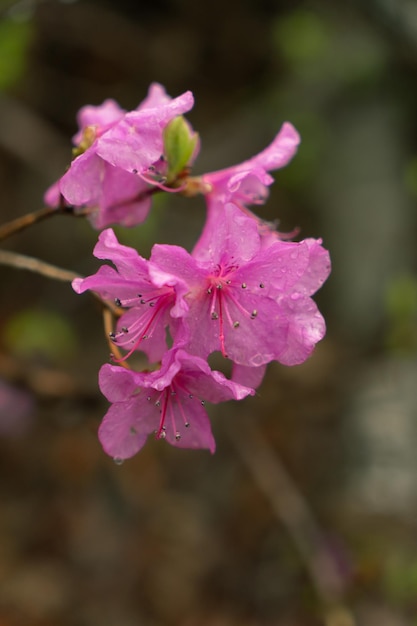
{"points": [[177, 436], [203, 402], [118, 302], [214, 315], [209, 290], [133, 430], [253, 314], [134, 171], [236, 324], [125, 329], [118, 460], [244, 285], [261, 285], [187, 424]]}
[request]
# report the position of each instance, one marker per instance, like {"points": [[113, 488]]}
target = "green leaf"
{"points": [[179, 144]]}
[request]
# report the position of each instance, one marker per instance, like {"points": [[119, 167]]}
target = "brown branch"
{"points": [[23, 262], [294, 513], [20, 223]]}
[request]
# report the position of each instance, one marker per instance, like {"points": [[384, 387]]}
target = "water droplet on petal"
{"points": [[187, 424], [118, 460], [214, 316], [118, 302], [236, 324], [177, 436], [253, 314], [244, 285]]}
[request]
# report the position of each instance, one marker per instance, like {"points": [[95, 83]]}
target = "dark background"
{"points": [[177, 537]]}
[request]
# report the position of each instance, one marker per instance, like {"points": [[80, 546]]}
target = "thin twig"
{"points": [[294, 513], [20, 223], [23, 262], [108, 320]]}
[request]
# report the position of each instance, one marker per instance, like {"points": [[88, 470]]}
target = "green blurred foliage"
{"points": [[401, 311], [37, 333], [15, 38]]}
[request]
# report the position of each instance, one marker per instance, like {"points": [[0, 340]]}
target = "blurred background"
{"points": [[307, 513]]}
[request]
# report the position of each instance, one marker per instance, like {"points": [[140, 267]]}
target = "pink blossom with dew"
{"points": [[150, 308], [248, 302], [168, 402], [119, 160], [248, 182]]}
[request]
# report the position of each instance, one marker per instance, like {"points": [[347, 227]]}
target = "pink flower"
{"points": [[150, 309], [168, 402], [248, 301], [247, 182], [119, 159]]}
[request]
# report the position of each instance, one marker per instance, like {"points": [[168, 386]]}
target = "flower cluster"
{"points": [[243, 291]]}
